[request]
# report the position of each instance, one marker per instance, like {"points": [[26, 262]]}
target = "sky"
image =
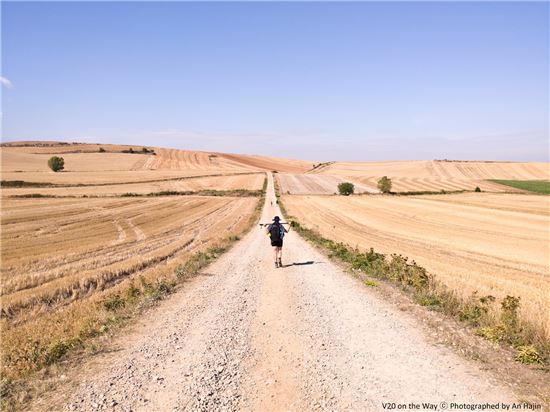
{"points": [[317, 81]]}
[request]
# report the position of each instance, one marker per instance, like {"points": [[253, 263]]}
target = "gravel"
{"points": [[247, 336]]}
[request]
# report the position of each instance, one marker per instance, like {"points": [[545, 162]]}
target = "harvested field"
{"points": [[300, 184], [60, 256], [439, 175], [85, 164], [227, 182], [270, 163], [50, 245], [495, 244], [109, 177]]}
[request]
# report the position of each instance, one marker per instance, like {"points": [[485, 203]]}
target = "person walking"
{"points": [[276, 232]]}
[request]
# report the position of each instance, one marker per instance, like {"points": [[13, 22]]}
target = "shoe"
{"points": [[276, 264], [280, 263]]}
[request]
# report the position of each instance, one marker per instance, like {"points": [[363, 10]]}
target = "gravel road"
{"points": [[247, 336]]}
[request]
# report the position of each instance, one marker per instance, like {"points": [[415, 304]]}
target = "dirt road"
{"points": [[247, 336]]}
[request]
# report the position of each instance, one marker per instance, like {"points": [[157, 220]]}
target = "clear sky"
{"points": [[319, 81]]}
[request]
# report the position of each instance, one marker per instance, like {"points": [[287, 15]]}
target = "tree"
{"points": [[478, 189], [56, 163], [145, 150], [346, 188], [384, 184]]}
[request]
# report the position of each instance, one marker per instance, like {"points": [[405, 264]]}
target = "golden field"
{"points": [[437, 175], [316, 184], [495, 244], [67, 261], [248, 181], [63, 258]]}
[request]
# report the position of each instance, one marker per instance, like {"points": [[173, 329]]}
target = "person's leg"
{"points": [[275, 253], [280, 253]]}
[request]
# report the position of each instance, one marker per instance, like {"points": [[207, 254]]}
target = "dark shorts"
{"points": [[277, 243]]}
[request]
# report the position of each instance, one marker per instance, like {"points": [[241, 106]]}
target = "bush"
{"points": [[346, 188], [101, 150], [145, 150], [528, 355], [56, 163], [477, 189], [384, 184]]}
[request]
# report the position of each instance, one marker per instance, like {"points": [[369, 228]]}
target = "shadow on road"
{"points": [[309, 262]]}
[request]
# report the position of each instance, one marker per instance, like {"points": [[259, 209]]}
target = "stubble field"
{"points": [[437, 175], [70, 264], [492, 244]]}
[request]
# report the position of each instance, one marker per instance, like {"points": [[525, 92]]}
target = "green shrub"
{"points": [[346, 188], [56, 163], [528, 354], [492, 333], [477, 189], [474, 309], [56, 351], [132, 292], [101, 150], [427, 299], [384, 184]]}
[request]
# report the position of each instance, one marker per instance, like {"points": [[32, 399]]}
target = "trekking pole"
{"points": [[267, 224]]}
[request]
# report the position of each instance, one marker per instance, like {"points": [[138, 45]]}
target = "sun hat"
{"points": [[276, 218]]}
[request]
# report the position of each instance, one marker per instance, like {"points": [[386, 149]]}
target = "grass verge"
{"points": [[495, 321], [535, 186]]}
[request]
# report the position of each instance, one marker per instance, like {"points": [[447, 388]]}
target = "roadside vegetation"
{"points": [[535, 186], [495, 321]]}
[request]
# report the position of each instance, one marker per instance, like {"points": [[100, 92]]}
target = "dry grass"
{"points": [[494, 244], [60, 257], [439, 175]]}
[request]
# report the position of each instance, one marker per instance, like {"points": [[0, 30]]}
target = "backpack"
{"points": [[275, 232]]}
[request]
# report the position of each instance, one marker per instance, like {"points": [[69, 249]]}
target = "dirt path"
{"points": [[247, 336]]}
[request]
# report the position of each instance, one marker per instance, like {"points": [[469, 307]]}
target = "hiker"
{"points": [[276, 232]]}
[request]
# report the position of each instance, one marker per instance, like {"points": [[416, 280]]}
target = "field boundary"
{"points": [[14, 184], [162, 193]]}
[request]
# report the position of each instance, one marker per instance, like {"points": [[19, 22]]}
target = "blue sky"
{"points": [[320, 81]]}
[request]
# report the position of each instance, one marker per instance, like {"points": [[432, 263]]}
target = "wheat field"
{"points": [[437, 175], [63, 258], [495, 244]]}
